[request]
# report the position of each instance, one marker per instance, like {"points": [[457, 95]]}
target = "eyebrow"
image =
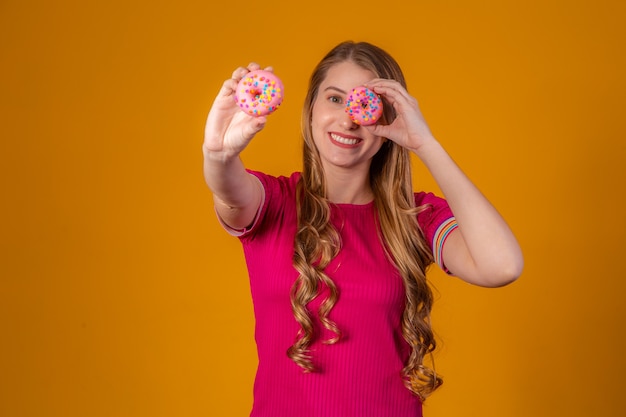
{"points": [[335, 89]]}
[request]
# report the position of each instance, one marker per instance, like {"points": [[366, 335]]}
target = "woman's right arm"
{"points": [[236, 193]]}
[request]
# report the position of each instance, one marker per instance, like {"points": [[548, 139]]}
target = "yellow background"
{"points": [[121, 296]]}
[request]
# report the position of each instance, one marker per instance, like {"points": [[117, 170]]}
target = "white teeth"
{"points": [[343, 140]]}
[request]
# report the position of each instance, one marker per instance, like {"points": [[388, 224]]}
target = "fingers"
{"points": [[397, 96], [239, 73], [391, 90], [229, 86], [255, 126]]}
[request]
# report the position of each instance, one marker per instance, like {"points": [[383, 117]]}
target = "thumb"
{"points": [[379, 130], [255, 126]]}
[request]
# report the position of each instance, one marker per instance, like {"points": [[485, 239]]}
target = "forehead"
{"points": [[346, 75]]}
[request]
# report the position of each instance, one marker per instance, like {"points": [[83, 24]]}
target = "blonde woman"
{"points": [[337, 254]]}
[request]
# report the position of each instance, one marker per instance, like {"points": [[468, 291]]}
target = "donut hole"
{"points": [[256, 93]]}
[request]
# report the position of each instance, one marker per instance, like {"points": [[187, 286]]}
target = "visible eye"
{"points": [[335, 99]]}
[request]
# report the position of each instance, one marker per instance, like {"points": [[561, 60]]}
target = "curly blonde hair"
{"points": [[317, 242]]}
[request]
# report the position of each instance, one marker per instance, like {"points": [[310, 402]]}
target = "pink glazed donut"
{"points": [[259, 93], [364, 106]]}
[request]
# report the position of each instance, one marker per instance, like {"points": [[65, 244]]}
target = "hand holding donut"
{"points": [[228, 129], [409, 129]]}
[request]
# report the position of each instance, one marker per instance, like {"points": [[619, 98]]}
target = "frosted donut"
{"points": [[259, 93], [364, 106]]}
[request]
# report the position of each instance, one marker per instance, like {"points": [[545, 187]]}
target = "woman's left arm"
{"points": [[482, 250]]}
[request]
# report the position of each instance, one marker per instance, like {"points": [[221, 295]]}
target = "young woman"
{"points": [[337, 254]]}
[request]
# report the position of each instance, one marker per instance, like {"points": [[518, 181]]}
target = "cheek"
{"points": [[319, 121], [321, 113], [316, 127]]}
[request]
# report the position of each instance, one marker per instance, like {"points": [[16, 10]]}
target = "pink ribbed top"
{"points": [[360, 375]]}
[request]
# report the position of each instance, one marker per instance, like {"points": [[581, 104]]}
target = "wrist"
{"points": [[427, 148], [218, 155]]}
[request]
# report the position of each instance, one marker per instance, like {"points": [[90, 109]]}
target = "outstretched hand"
{"points": [[228, 130], [409, 129]]}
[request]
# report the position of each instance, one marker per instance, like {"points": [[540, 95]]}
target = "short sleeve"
{"points": [[276, 192], [437, 222], [242, 232]]}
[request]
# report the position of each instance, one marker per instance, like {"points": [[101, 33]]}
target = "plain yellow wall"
{"points": [[121, 296]]}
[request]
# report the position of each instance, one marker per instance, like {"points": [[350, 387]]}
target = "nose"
{"points": [[347, 123]]}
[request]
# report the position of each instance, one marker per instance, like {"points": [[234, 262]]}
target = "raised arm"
{"points": [[483, 249], [237, 194]]}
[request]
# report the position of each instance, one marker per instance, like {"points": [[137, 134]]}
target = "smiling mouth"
{"points": [[344, 141]]}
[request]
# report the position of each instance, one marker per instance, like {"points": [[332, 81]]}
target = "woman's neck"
{"points": [[345, 186]]}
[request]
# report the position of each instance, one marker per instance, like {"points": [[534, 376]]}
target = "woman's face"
{"points": [[342, 143]]}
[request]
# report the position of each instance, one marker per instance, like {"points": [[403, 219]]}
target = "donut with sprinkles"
{"points": [[259, 93], [364, 106]]}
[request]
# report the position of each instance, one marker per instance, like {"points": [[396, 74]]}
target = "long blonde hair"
{"points": [[317, 242]]}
